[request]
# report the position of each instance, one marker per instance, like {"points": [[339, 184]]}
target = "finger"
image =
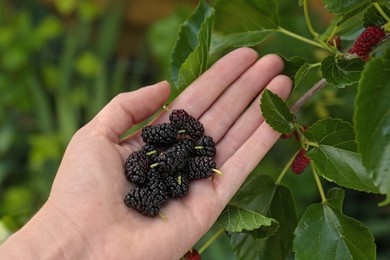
{"points": [[235, 100], [197, 97], [249, 121], [237, 168], [127, 109]]}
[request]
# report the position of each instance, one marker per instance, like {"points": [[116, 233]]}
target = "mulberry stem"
{"points": [[303, 39], [318, 181], [165, 218], [285, 169], [380, 10], [179, 180], [211, 240], [217, 171], [151, 152], [182, 131], [308, 21], [199, 147], [154, 165]]}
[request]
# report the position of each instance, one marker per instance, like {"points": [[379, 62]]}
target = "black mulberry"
{"points": [[177, 184], [183, 121], [175, 157], [205, 146], [200, 167], [136, 167], [160, 134], [148, 198]]}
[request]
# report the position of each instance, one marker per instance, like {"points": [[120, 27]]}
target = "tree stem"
{"points": [[380, 10], [318, 181], [211, 240], [308, 21], [285, 169], [311, 92], [301, 38]]}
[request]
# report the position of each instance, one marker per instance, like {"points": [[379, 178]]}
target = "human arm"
{"points": [[85, 216]]}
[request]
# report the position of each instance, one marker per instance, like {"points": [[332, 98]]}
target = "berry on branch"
{"points": [[367, 40], [300, 162]]}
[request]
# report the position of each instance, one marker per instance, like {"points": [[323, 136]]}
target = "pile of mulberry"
{"points": [[174, 154]]}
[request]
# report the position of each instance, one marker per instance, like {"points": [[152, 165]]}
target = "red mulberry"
{"points": [[300, 162], [366, 41]]}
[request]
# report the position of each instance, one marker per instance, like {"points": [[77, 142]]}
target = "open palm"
{"points": [[88, 192]]}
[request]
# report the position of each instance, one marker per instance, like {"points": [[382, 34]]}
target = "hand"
{"points": [[85, 216]]}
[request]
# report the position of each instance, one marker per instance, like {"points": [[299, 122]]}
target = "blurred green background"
{"points": [[61, 61]]}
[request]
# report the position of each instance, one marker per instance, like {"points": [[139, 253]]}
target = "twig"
{"points": [[311, 92]]}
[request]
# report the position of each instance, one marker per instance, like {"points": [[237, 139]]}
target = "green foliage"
{"points": [[276, 112], [373, 120], [237, 219], [341, 6], [324, 232], [334, 157], [341, 72], [260, 194], [189, 57]]}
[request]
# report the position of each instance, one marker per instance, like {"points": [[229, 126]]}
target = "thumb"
{"points": [[129, 108]]}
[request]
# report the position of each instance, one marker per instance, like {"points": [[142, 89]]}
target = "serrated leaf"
{"points": [[292, 65], [334, 158], [373, 18], [238, 219], [349, 14], [340, 72], [372, 122], [324, 232], [221, 42], [189, 56], [301, 73], [276, 112], [243, 23], [342, 6], [259, 193]]}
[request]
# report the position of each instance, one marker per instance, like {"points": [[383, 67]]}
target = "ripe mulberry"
{"points": [[160, 134], [367, 40], [175, 157], [205, 146], [183, 121], [300, 162], [177, 184], [200, 167], [148, 198], [136, 167]]}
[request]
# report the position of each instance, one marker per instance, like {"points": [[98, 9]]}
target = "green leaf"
{"points": [[296, 68], [348, 15], [238, 219], [334, 158], [372, 122], [324, 232], [341, 72], [189, 57], [373, 18], [221, 42], [342, 6], [242, 23], [276, 112], [260, 194], [292, 65]]}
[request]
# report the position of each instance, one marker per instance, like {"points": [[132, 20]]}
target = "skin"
{"points": [[85, 216]]}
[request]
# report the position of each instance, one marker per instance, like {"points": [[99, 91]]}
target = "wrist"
{"points": [[48, 235]]}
